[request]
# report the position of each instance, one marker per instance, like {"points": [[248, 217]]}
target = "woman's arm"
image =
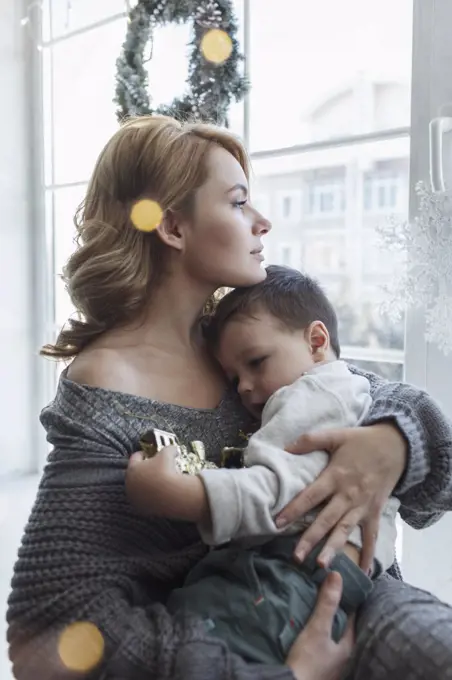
{"points": [[406, 450], [86, 556], [425, 488]]}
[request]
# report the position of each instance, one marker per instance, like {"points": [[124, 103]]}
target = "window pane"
{"points": [[334, 238], [389, 371], [65, 203], [67, 16], [47, 113], [349, 64], [84, 86], [84, 113]]}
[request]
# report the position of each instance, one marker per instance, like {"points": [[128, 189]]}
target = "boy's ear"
{"points": [[318, 338]]}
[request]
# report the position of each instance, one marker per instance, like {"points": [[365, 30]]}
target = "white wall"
{"points": [[19, 225]]}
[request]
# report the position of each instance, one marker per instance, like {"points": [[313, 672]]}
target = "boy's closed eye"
{"points": [[256, 362]]}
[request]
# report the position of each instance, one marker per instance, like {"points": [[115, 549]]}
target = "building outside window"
{"points": [[326, 198], [382, 192], [289, 205]]}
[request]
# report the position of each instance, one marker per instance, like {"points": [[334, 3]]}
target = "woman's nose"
{"points": [[261, 225]]}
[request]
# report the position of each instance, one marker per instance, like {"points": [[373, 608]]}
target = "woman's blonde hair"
{"points": [[114, 270]]}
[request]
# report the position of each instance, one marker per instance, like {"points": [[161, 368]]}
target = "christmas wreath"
{"points": [[214, 77]]}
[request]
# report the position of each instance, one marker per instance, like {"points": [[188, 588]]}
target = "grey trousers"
{"points": [[258, 600], [403, 633]]}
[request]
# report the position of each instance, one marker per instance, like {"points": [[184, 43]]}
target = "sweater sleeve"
{"points": [[425, 489], [86, 556]]}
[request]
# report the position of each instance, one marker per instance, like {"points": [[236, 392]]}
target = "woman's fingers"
{"points": [[327, 604], [315, 494], [317, 441], [321, 526], [347, 641], [369, 535], [339, 536]]}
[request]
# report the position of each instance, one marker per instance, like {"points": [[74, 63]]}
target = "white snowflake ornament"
{"points": [[424, 281]]}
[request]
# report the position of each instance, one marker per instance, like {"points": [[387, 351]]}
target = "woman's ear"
{"points": [[171, 230], [319, 340]]}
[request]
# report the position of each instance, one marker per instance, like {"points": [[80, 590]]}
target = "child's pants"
{"points": [[258, 600]]}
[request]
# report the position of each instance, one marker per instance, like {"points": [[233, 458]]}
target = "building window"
{"points": [[289, 205], [289, 254], [286, 206], [286, 256], [326, 198], [381, 192]]}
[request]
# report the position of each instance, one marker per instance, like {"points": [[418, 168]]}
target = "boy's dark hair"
{"points": [[287, 294]]}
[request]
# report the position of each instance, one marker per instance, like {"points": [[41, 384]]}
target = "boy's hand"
{"points": [[150, 481], [156, 487]]}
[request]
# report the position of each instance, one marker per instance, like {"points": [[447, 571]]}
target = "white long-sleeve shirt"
{"points": [[244, 502]]}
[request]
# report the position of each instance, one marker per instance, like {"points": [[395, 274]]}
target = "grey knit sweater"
{"points": [[86, 555]]}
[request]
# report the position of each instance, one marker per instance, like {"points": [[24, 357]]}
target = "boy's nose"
{"points": [[244, 387]]}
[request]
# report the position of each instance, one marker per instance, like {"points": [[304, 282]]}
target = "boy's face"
{"points": [[260, 356]]}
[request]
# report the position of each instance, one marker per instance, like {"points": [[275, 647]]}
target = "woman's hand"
{"points": [[314, 654], [366, 464]]}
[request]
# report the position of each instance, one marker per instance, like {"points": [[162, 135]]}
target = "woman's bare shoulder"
{"points": [[107, 368]]}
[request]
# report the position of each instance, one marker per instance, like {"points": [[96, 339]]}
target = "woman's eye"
{"points": [[255, 363], [239, 204]]}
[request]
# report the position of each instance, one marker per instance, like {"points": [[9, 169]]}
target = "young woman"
{"points": [[139, 362]]}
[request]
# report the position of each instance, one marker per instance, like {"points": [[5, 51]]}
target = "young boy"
{"points": [[278, 342]]}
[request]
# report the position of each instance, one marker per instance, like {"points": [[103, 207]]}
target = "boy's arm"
{"points": [[156, 487], [243, 503]]}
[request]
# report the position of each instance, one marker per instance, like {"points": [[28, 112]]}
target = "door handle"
{"points": [[440, 141]]}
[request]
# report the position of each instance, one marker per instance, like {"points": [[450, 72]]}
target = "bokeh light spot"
{"points": [[81, 646], [216, 46], [146, 215]]}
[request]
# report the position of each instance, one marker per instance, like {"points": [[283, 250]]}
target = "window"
{"points": [[83, 111], [84, 115], [67, 16], [65, 204], [344, 87], [326, 199], [343, 84], [286, 256], [382, 192], [289, 205], [323, 258]]}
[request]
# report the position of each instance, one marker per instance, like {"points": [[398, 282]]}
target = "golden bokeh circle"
{"points": [[146, 215], [81, 647], [216, 46]]}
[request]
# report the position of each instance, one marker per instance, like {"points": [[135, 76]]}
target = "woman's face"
{"points": [[223, 244]]}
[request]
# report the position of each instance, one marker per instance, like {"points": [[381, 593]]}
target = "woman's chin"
{"points": [[250, 277]]}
